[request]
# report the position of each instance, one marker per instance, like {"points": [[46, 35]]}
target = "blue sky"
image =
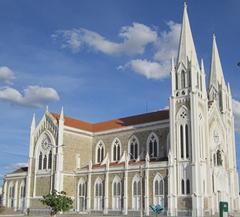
{"points": [[100, 59]]}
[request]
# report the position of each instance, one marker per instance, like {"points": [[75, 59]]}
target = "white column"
{"points": [[15, 204], [89, 185], [105, 210], [30, 164], [197, 205], [146, 185], [4, 200], [172, 182], [58, 182], [125, 196]]}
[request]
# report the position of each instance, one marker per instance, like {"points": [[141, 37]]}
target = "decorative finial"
{"points": [[62, 114], [202, 65], [214, 36], [147, 158], [185, 4], [33, 125], [90, 165], [172, 62]]}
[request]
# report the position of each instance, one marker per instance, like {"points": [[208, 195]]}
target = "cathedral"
{"points": [[182, 158]]}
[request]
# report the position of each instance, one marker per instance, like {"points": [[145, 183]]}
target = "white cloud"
{"points": [[6, 74], [151, 70], [166, 48], [236, 112], [135, 38], [167, 44], [32, 96]]}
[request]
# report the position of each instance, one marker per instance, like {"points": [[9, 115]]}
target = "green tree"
{"points": [[57, 202]]}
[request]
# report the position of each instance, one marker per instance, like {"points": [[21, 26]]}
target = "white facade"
{"points": [[203, 155], [183, 158]]}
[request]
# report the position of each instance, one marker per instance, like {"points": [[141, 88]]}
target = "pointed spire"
{"points": [[62, 114], [203, 78], [216, 73], [187, 49], [172, 65], [229, 97], [33, 125], [202, 66], [229, 90], [173, 76], [46, 109]]}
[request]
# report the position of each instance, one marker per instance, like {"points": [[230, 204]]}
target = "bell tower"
{"points": [[188, 115]]}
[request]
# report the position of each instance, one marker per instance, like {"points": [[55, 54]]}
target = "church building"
{"points": [[183, 158]]}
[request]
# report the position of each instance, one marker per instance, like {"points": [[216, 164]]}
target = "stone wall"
{"points": [[76, 145], [43, 186], [124, 137]]}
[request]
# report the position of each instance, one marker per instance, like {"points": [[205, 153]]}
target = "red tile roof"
{"points": [[115, 123]]}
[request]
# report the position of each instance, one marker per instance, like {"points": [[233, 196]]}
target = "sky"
{"points": [[101, 60]]}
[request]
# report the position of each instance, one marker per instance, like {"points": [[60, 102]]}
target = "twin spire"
{"points": [[187, 52], [216, 73]]}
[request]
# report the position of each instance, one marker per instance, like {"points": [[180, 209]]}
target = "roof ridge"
{"points": [[115, 123], [93, 123]]}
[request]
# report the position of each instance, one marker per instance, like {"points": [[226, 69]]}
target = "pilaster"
{"points": [[15, 202], [105, 210], [125, 196], [89, 185], [30, 161], [146, 185], [58, 182], [4, 199]]}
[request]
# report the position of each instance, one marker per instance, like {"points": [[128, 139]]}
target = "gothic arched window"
{"points": [[183, 134], [186, 141], [45, 162], [82, 189], [153, 148], [136, 192], [183, 186], [181, 140], [82, 195], [116, 193], [133, 148], [116, 150], [188, 186], [219, 158], [44, 153], [183, 83], [40, 161], [50, 160], [176, 81], [158, 190], [99, 152], [98, 199]]}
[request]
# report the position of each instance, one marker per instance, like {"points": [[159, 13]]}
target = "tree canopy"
{"points": [[57, 202]]}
